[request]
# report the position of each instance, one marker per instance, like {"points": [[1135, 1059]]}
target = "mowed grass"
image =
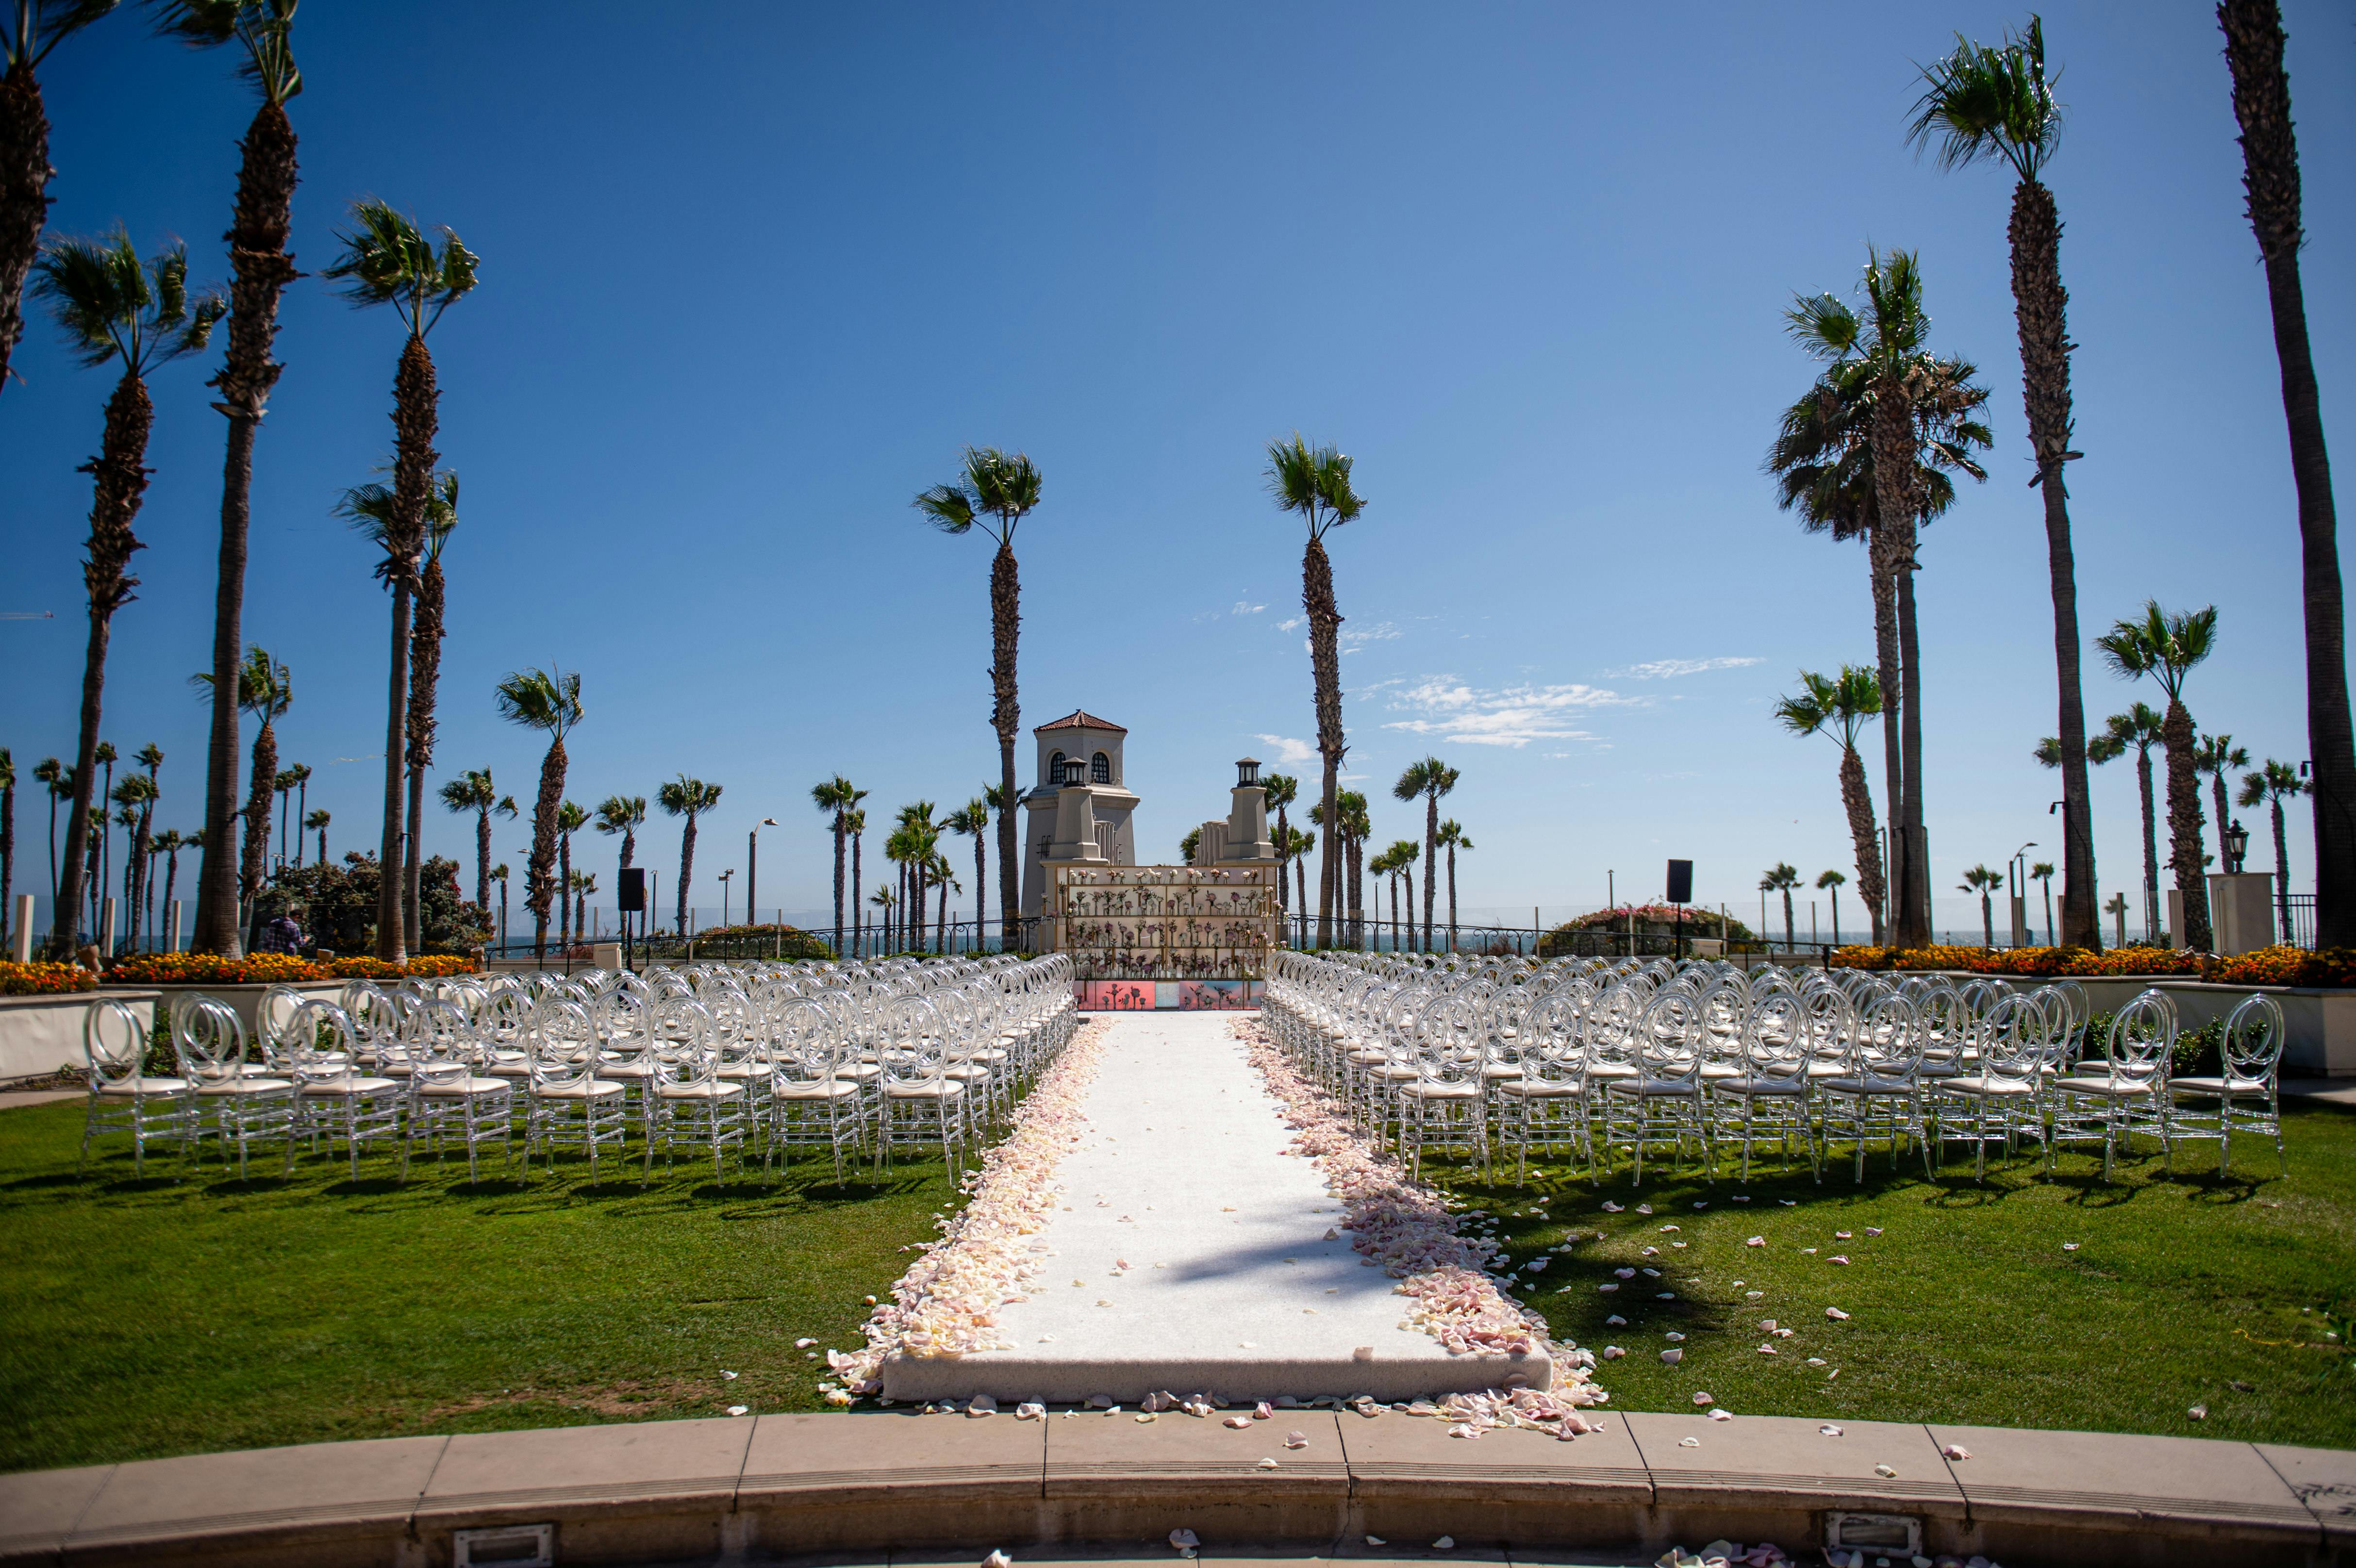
{"points": [[2185, 1290], [159, 1316]]}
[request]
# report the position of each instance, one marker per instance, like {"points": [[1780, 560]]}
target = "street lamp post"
{"points": [[2017, 878], [752, 870], [2237, 845], [724, 893]]}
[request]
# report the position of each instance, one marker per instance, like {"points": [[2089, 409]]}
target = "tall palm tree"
{"points": [[854, 828], [296, 781], [2167, 646], [2139, 728], [114, 309], [2041, 873], [570, 820], [1452, 837], [973, 820], [38, 27], [625, 815], [584, 884], [2254, 49], [282, 786], [549, 702], [388, 259], [262, 32], [1782, 877], [1357, 826], [883, 899], [301, 775], [1304, 844], [137, 797], [2217, 757], [424, 679], [1838, 708], [1983, 103], [316, 821], [103, 853], [473, 791], [1314, 481], [168, 844], [997, 490], [2270, 786], [265, 689], [690, 799], [1831, 882], [499, 875], [1430, 778], [837, 797], [1981, 880], [7, 843], [1885, 393], [150, 757], [1385, 866], [1404, 854], [1282, 789], [50, 774]]}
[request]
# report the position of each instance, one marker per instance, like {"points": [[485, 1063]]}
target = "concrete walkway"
{"points": [[1236, 1281]]}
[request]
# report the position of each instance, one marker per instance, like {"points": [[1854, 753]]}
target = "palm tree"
{"points": [[1282, 789], [302, 773], [1452, 834], [136, 795], [1404, 855], [1831, 881], [50, 773], [265, 688], [2166, 647], [625, 815], [114, 309], [7, 842], [570, 820], [294, 788], [2271, 785], [282, 786], [38, 26], [998, 491], [583, 884], [1188, 845], [690, 799], [1904, 400], [1303, 845], [424, 676], [973, 820], [883, 900], [2217, 757], [1357, 826], [1430, 778], [854, 826], [169, 844], [1980, 880], [836, 797], [387, 260], [2254, 49], [473, 791], [150, 757], [1837, 708], [549, 702], [2041, 872], [101, 856], [1781, 877], [1386, 865], [259, 269], [1984, 103], [1315, 483], [499, 875], [2139, 727], [317, 821]]}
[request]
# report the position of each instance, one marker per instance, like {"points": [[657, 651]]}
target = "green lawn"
{"points": [[161, 1317], [152, 1318], [2194, 1290]]}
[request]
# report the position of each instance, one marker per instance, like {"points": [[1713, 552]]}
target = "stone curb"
{"points": [[783, 1485]]}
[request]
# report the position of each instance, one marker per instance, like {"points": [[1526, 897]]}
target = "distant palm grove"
{"points": [[1884, 427]]}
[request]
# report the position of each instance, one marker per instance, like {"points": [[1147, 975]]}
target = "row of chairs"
{"points": [[1590, 1057], [855, 1057]]}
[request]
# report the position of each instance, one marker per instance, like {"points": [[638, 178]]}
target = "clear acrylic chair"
{"points": [[2126, 1093], [238, 1108], [921, 1106], [809, 1104], [567, 1104], [1771, 1088], [1661, 1103], [1547, 1107], [687, 1100], [1879, 1095], [123, 1097], [2244, 1097], [448, 1097], [1445, 1103], [336, 1097], [2001, 1095]]}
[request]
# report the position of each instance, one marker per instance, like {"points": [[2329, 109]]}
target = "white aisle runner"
{"points": [[1231, 1287]]}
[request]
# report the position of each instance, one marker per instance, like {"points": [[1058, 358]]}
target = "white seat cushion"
{"points": [[700, 1091], [1753, 1084], [339, 1089], [1440, 1090], [832, 1089], [1533, 1088], [1988, 1086], [2110, 1088], [235, 1087], [945, 1090], [128, 1087], [2189, 1085], [596, 1089], [462, 1088], [1868, 1085]]}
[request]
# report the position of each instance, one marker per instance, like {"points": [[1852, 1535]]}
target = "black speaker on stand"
{"points": [[630, 898], [1681, 894]]}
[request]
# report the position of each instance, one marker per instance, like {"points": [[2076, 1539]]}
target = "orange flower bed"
{"points": [[2035, 963], [40, 979], [2334, 967], [272, 969]]}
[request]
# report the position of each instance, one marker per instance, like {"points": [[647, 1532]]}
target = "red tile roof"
{"points": [[1081, 719]]}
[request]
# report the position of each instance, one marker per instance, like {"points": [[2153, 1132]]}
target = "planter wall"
{"points": [[245, 1001], [40, 1034]]}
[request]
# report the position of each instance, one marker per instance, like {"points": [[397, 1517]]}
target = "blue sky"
{"points": [[752, 276]]}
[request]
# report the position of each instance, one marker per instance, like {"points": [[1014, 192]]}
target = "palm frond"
{"points": [[1984, 101], [263, 29], [42, 25], [947, 506], [540, 700], [1823, 325]]}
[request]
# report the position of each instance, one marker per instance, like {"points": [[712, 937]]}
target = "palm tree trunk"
{"points": [[1006, 717], [2254, 49], [686, 869], [564, 890], [1325, 665], [2184, 827], [941, 918], [1431, 862], [2282, 868], [2039, 313], [254, 869], [858, 911], [390, 927], [1357, 893], [1892, 678], [171, 879], [1915, 887], [981, 882], [259, 270], [424, 678], [542, 888], [837, 881], [1988, 921], [1857, 800], [1300, 885], [302, 810], [1788, 931], [119, 483], [1451, 898], [7, 860], [2150, 845], [2224, 815], [24, 197], [483, 856]]}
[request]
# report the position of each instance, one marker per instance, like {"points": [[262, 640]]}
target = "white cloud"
{"points": [[1505, 716], [1293, 624], [1242, 608], [1667, 669], [1352, 639], [1287, 749]]}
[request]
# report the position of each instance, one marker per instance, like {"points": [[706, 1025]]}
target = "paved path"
{"points": [[1232, 1287]]}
